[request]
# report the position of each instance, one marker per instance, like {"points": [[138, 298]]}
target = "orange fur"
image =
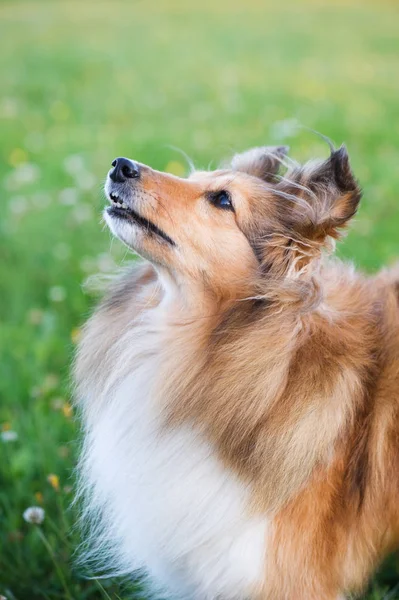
{"points": [[285, 359]]}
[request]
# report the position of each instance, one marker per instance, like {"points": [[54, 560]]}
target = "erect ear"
{"points": [[327, 196], [263, 162]]}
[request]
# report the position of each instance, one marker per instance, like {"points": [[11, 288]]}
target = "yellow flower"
{"points": [[67, 410], [6, 426], [39, 497], [176, 168], [75, 335], [54, 481], [17, 156]]}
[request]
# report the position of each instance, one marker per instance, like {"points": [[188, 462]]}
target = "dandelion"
{"points": [[38, 519], [34, 514], [57, 293], [54, 481], [67, 410], [9, 436]]}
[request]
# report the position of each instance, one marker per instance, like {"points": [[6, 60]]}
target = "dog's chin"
{"points": [[128, 223], [131, 234]]}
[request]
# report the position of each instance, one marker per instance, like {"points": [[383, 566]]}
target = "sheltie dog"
{"points": [[239, 388]]}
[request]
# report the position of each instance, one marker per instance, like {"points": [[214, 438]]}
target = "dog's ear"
{"points": [[313, 203], [263, 162], [323, 196]]}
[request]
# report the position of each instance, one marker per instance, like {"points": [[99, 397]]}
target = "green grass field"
{"points": [[83, 82]]}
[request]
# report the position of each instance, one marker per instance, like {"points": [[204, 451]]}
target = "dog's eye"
{"points": [[221, 199]]}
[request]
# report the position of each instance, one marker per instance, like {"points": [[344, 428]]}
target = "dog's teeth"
{"points": [[115, 199]]}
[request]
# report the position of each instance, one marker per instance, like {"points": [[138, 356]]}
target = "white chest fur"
{"points": [[168, 505]]}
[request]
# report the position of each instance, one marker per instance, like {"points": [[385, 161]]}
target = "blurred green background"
{"points": [[83, 82]]}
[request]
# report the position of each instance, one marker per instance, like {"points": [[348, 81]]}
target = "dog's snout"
{"points": [[124, 169]]}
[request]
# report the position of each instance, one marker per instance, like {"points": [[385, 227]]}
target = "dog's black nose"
{"points": [[124, 169]]}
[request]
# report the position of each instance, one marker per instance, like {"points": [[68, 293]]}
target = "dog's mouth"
{"points": [[120, 210]]}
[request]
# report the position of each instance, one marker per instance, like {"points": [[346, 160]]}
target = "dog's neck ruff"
{"points": [[167, 503]]}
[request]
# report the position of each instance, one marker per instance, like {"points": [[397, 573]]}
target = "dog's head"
{"points": [[226, 227]]}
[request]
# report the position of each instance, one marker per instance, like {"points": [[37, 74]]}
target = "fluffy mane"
{"points": [[276, 406]]}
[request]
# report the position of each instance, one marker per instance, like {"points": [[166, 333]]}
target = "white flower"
{"points": [[9, 436], [34, 514], [23, 174], [82, 213], [9, 108], [69, 196], [285, 129], [74, 164], [85, 180], [18, 205], [105, 263], [57, 293]]}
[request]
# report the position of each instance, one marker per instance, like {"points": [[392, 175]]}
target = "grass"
{"points": [[83, 82]]}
